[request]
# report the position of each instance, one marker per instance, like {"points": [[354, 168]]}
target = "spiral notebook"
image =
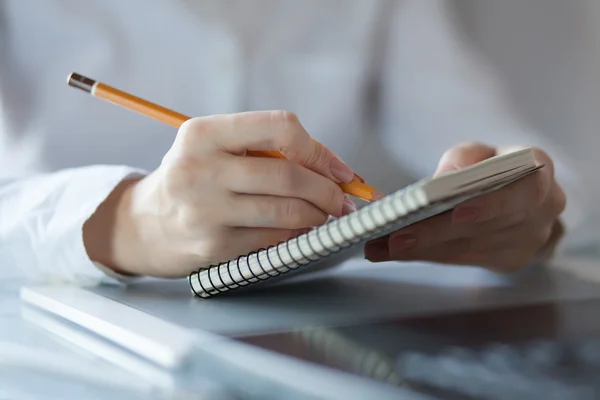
{"points": [[404, 207]]}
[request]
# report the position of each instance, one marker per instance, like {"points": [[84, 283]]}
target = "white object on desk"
{"points": [[134, 329], [19, 356], [159, 341], [147, 372]]}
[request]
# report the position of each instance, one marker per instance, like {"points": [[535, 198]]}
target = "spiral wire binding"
{"points": [[400, 209], [320, 235]]}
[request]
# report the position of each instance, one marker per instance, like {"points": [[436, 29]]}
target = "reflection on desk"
{"points": [[203, 378], [44, 357], [549, 351], [394, 328]]}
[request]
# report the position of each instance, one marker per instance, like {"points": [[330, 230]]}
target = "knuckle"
{"points": [[192, 125], [284, 120], [191, 129], [317, 156], [287, 124], [290, 117], [195, 134], [284, 117]]}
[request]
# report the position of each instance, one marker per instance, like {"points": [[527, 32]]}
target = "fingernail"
{"points": [[348, 206], [463, 215], [359, 178], [377, 195], [444, 169], [401, 243], [341, 171]]}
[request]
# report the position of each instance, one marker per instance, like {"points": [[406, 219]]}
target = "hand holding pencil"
{"points": [[355, 187], [207, 202]]}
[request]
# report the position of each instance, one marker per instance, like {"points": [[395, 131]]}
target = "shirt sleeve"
{"points": [[436, 93], [41, 224]]}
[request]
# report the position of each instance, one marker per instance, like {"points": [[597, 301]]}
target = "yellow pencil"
{"points": [[357, 187]]}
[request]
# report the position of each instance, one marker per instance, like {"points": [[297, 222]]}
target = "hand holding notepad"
{"points": [[504, 230], [409, 208]]}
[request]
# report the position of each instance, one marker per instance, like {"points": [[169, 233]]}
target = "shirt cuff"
{"points": [[87, 188]]}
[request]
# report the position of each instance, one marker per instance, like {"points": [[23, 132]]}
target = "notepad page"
{"points": [[402, 208], [483, 173]]}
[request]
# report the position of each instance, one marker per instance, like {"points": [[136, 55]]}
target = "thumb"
{"points": [[464, 155]]}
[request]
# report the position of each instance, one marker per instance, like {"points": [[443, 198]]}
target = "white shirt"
{"points": [[388, 85]]}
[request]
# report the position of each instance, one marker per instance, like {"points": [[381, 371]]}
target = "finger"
{"points": [[527, 236], [377, 249], [483, 250], [555, 203], [269, 130], [384, 250], [525, 194], [435, 231], [272, 212], [464, 155], [277, 177]]}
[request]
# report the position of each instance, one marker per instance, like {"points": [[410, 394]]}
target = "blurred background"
{"points": [[389, 85]]}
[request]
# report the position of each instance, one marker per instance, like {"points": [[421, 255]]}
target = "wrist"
{"points": [[109, 235]]}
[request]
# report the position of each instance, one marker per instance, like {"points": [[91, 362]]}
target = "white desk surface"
{"points": [[357, 291], [27, 351]]}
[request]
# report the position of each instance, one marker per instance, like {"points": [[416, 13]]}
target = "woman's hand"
{"points": [[504, 230], [208, 202]]}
